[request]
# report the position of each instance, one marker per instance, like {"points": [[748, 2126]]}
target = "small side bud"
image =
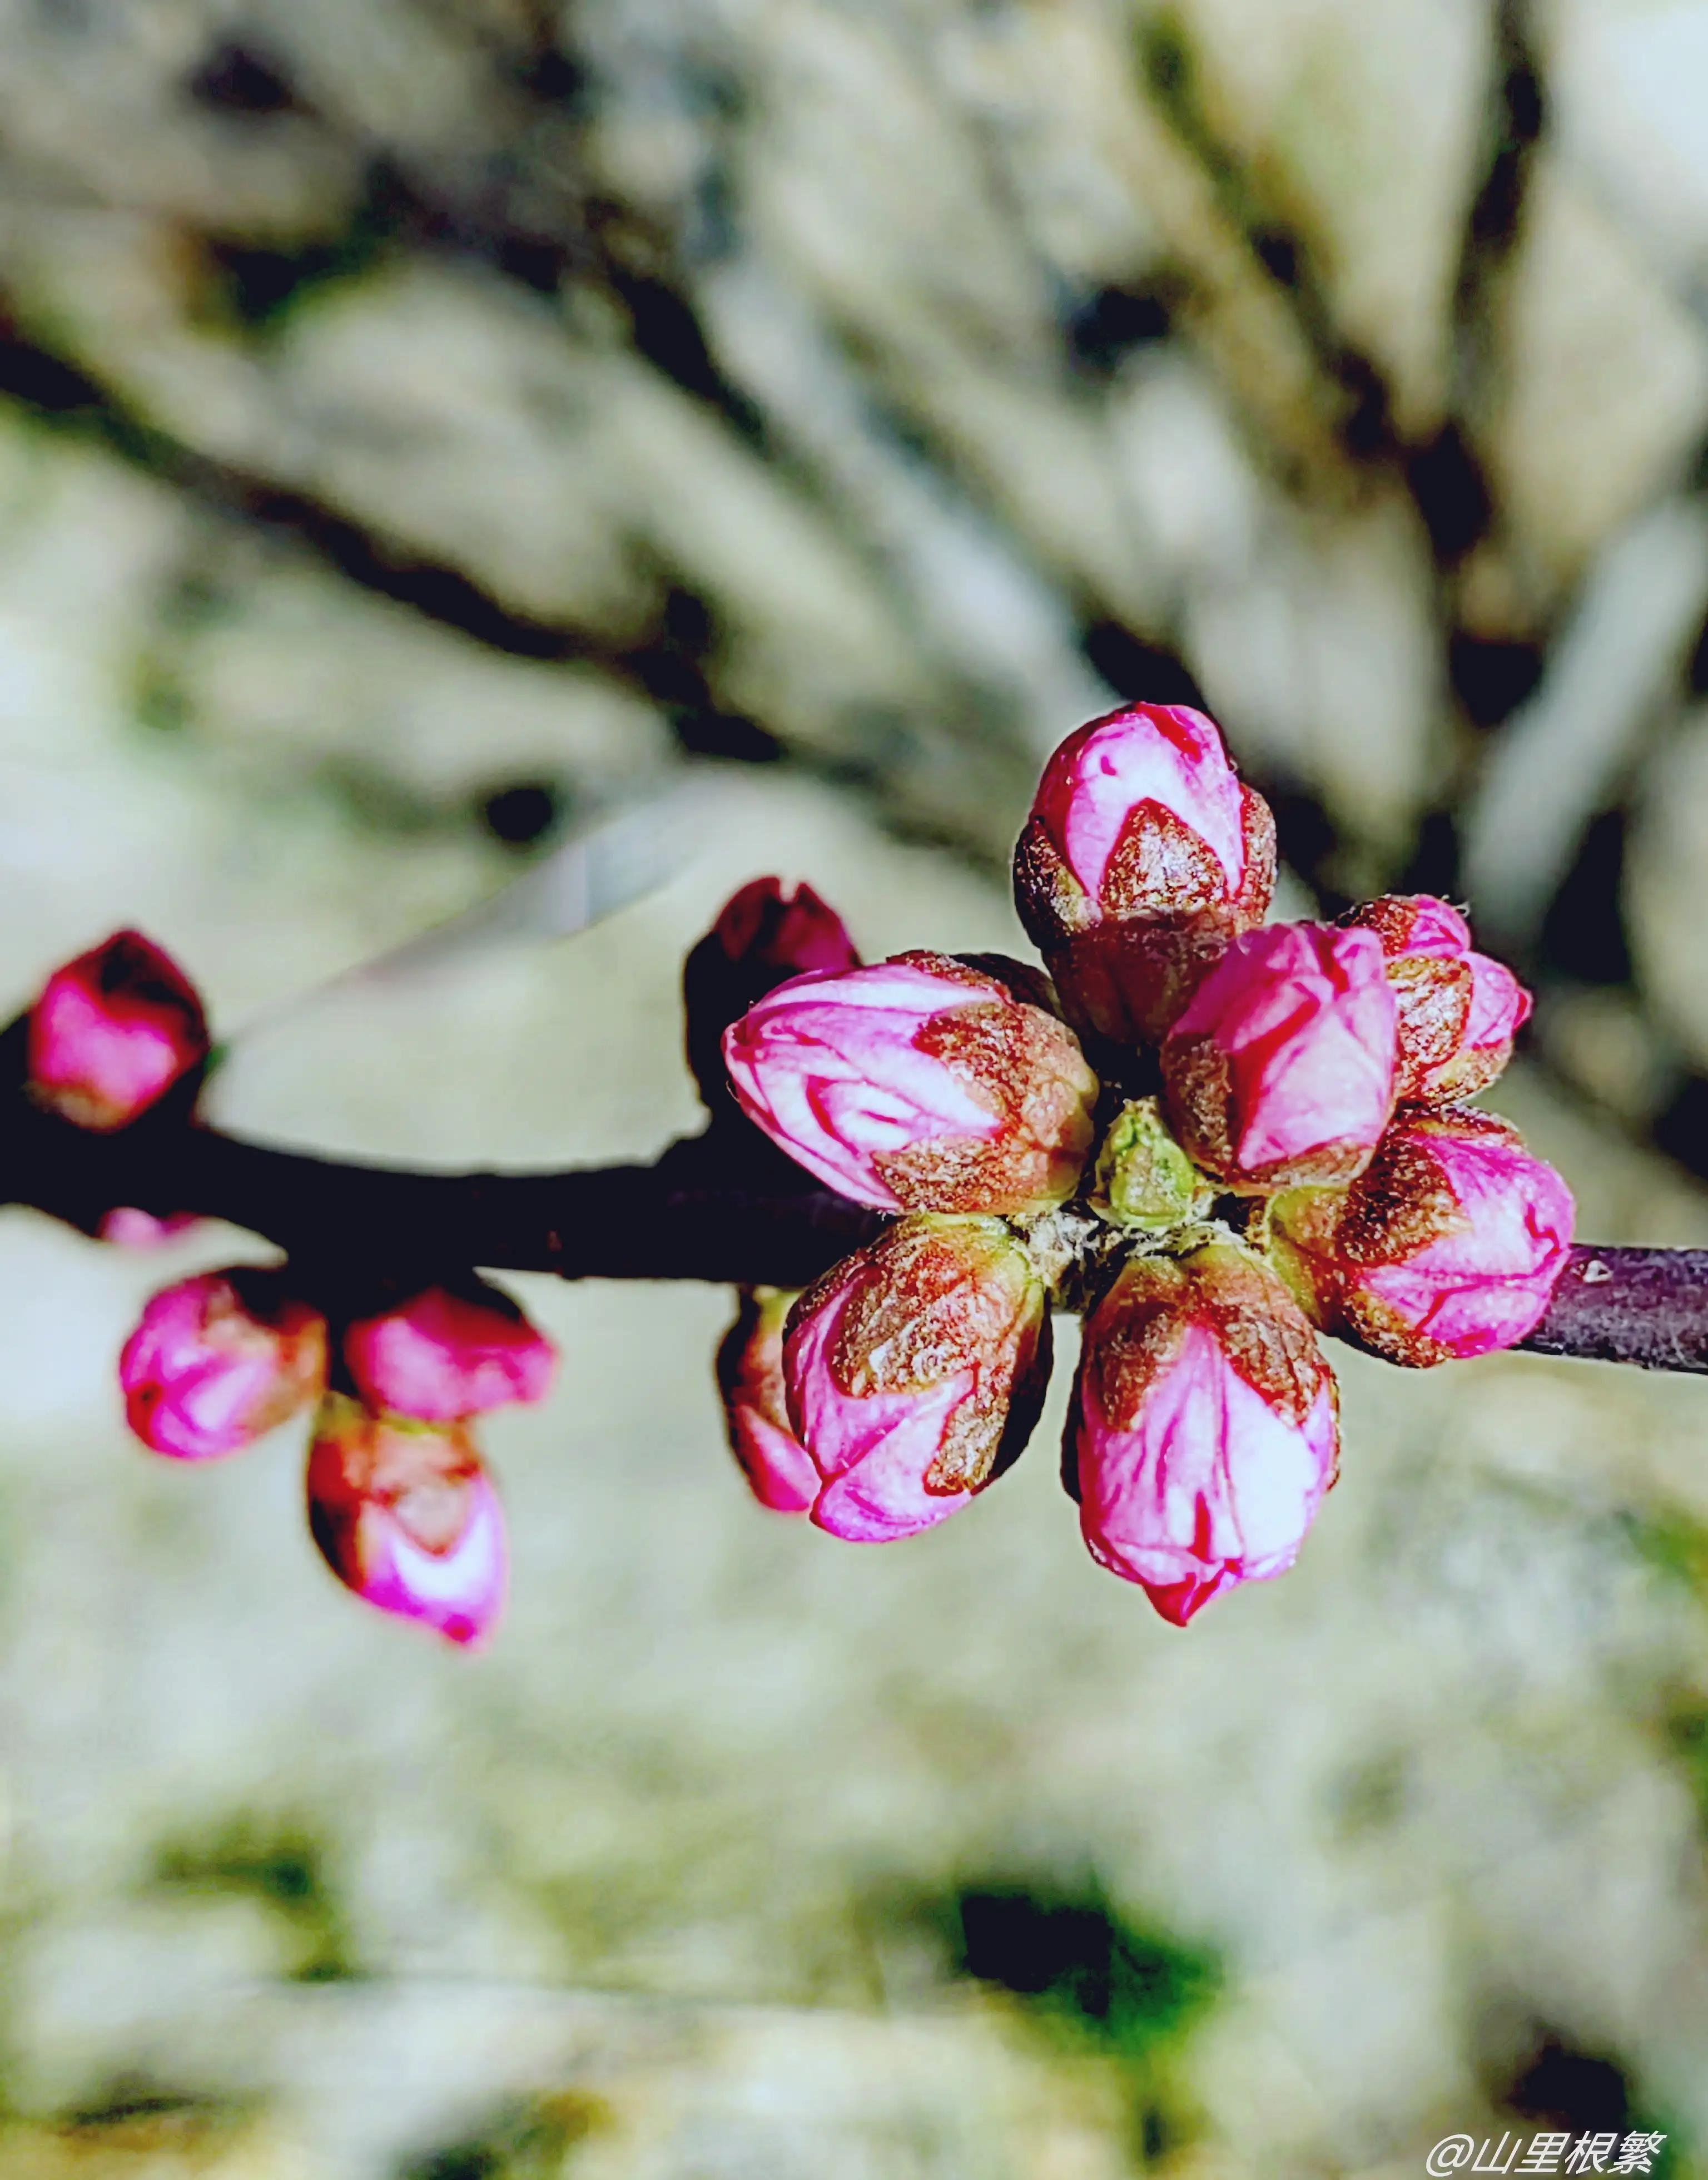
{"points": [[126, 1227], [111, 1031], [915, 1370], [1458, 1010], [1447, 1246], [441, 1354], [778, 1469], [762, 937], [918, 1085], [219, 1360], [1281, 1069], [1142, 857], [1142, 1178], [406, 1515], [1205, 1427]]}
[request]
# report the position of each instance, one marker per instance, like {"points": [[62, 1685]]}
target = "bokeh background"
{"points": [[425, 423]]}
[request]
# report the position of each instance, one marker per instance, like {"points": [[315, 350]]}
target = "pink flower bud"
{"points": [[922, 1084], [112, 1032], [915, 1369], [1458, 1010], [1205, 1427], [219, 1360], [405, 1515], [1281, 1069], [440, 1355], [778, 1467], [127, 1228], [789, 933], [1500, 1007], [762, 937], [1143, 856], [1448, 1245]]}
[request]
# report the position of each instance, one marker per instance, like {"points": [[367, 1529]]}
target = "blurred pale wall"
{"points": [[425, 422]]}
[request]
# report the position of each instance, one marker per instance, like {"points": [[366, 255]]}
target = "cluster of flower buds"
{"points": [[1301, 1080], [399, 1502], [1216, 1136]]}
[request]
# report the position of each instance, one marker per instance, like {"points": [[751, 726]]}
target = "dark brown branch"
{"points": [[1649, 1307], [676, 1219], [710, 1209]]}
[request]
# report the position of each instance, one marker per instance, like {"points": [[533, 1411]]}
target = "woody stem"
{"points": [[709, 1209]]}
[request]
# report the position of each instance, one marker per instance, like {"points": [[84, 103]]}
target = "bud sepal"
{"points": [[1142, 1178]]}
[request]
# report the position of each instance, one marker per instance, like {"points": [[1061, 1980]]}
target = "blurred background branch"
{"points": [[1117, 351]]}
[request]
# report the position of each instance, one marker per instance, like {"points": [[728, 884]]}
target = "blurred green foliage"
{"points": [[283, 1867]]}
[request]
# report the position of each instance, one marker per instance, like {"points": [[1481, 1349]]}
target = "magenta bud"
{"points": [[786, 934], [762, 937], [1144, 855], [1458, 1010], [127, 1228], [1204, 1427], [921, 1084], [1448, 1245], [219, 1360], [1500, 1007], [441, 1354], [915, 1370], [778, 1469], [112, 1032], [406, 1515], [1281, 1069]]}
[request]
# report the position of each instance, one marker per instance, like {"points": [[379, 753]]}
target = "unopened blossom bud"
{"points": [[126, 1227], [442, 1355], [1204, 1427], [1142, 1177], [1448, 1245], [112, 1032], [921, 1084], [405, 1515], [778, 1467], [1144, 855], [219, 1360], [762, 937], [1281, 1069], [915, 1370], [1458, 1010]]}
